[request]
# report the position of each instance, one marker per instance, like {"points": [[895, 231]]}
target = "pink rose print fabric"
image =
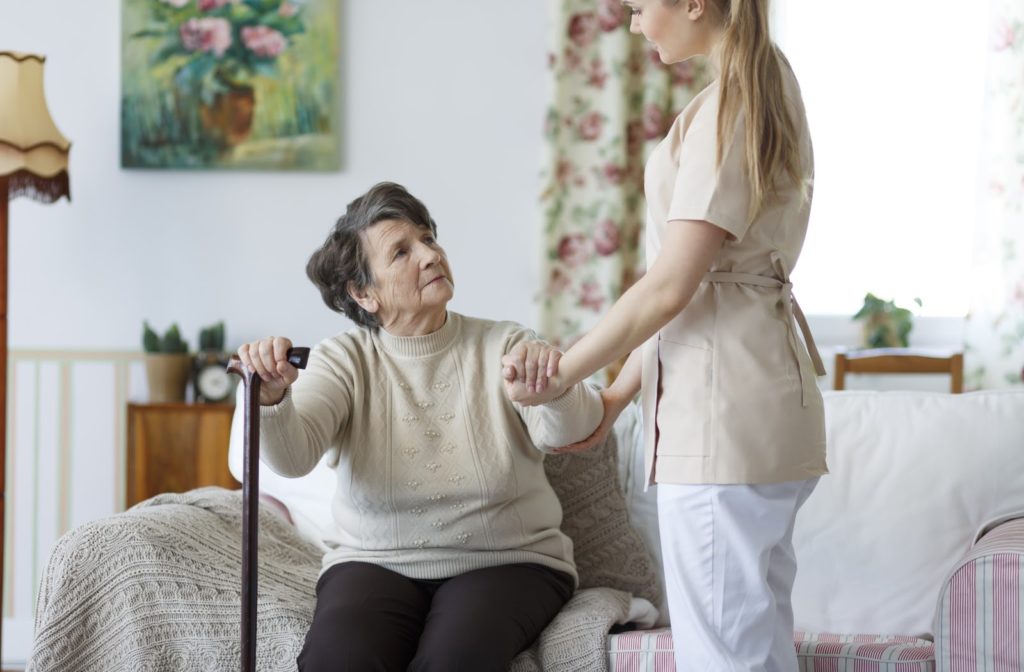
{"points": [[994, 353], [613, 101]]}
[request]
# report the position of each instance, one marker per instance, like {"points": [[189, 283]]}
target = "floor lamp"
{"points": [[33, 163]]}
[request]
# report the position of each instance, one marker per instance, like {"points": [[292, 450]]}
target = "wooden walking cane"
{"points": [[297, 357]]}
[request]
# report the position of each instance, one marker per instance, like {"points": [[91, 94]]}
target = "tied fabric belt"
{"points": [[794, 317]]}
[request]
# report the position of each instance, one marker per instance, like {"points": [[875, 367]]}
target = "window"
{"points": [[894, 95]]}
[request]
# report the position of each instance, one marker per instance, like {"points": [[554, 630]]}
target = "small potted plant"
{"points": [[168, 363], [886, 325]]}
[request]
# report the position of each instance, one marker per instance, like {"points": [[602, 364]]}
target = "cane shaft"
{"points": [[250, 523], [297, 357]]}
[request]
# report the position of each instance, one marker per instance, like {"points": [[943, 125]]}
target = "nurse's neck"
{"points": [[710, 46]]}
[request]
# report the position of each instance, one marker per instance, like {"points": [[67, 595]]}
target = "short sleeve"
{"points": [[704, 191]]}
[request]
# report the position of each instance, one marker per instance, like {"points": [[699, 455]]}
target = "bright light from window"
{"points": [[894, 97]]}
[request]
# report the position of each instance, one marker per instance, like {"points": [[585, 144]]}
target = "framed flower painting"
{"points": [[229, 84]]}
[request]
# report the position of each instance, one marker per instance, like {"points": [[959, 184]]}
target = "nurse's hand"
{"points": [[531, 363], [518, 392], [269, 359], [614, 404]]}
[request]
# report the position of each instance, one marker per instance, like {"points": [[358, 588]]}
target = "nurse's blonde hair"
{"points": [[751, 82]]}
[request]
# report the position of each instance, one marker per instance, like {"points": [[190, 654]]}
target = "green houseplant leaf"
{"points": [[211, 338], [150, 340], [171, 342], [886, 325]]}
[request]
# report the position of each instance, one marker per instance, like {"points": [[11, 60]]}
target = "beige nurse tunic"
{"points": [[729, 392]]}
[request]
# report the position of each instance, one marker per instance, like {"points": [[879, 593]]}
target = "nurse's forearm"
{"points": [[689, 248], [634, 318]]}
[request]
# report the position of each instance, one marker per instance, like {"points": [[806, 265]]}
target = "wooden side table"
{"points": [[174, 447], [901, 360]]}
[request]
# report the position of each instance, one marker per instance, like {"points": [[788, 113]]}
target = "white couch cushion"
{"points": [[913, 477], [308, 498]]}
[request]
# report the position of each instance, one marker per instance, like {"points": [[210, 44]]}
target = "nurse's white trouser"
{"points": [[729, 571]]}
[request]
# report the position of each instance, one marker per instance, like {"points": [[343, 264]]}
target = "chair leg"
{"points": [[839, 376], [956, 365]]}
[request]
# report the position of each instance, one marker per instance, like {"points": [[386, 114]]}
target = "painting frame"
{"points": [[230, 84]]}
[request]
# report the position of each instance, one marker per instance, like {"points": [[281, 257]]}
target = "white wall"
{"points": [[445, 96]]}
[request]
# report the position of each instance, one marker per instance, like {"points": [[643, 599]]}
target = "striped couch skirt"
{"points": [[979, 624], [651, 651]]}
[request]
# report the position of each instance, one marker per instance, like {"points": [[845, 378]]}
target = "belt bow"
{"points": [[794, 315]]}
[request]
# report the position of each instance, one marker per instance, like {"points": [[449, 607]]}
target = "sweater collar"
{"points": [[421, 346]]}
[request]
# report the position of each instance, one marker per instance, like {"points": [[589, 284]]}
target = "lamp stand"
{"points": [[3, 387], [25, 127]]}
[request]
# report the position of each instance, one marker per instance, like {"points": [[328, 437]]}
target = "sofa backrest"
{"points": [[914, 476]]}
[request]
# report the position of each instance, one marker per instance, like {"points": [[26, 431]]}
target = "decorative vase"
{"points": [[882, 331], [227, 121], [167, 376]]}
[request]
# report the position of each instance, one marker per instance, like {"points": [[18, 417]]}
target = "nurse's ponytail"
{"points": [[751, 82]]}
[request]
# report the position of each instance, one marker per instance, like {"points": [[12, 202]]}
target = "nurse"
{"points": [[717, 345]]}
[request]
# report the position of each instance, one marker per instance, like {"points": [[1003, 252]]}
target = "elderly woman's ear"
{"points": [[361, 295]]}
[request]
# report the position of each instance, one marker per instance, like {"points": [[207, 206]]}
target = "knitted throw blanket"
{"points": [[157, 588]]}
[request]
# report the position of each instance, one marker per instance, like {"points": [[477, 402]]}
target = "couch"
{"points": [[910, 552], [910, 555]]}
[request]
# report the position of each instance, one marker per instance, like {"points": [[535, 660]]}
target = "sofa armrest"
{"points": [[977, 623]]}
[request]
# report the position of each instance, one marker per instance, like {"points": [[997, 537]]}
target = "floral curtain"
{"points": [[612, 101], [994, 354]]}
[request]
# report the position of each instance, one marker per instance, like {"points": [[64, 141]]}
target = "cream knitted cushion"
{"points": [[609, 552]]}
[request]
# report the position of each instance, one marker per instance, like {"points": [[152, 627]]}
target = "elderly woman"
{"points": [[445, 553]]}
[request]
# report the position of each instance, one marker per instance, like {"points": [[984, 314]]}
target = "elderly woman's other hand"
{"points": [[531, 363], [269, 359]]}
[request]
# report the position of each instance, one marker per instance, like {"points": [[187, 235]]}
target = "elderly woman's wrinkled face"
{"points": [[412, 283]]}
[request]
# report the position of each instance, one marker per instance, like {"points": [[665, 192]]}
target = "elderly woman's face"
{"points": [[412, 280]]}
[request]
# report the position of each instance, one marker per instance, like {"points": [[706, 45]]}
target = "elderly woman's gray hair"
{"points": [[342, 259]]}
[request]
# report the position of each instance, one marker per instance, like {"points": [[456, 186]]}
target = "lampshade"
{"points": [[33, 153]]}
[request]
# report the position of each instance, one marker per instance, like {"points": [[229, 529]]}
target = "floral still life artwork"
{"points": [[229, 84]]}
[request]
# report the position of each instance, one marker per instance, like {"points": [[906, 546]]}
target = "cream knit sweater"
{"points": [[438, 473]]}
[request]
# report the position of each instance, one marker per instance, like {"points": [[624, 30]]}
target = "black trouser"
{"points": [[369, 618]]}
